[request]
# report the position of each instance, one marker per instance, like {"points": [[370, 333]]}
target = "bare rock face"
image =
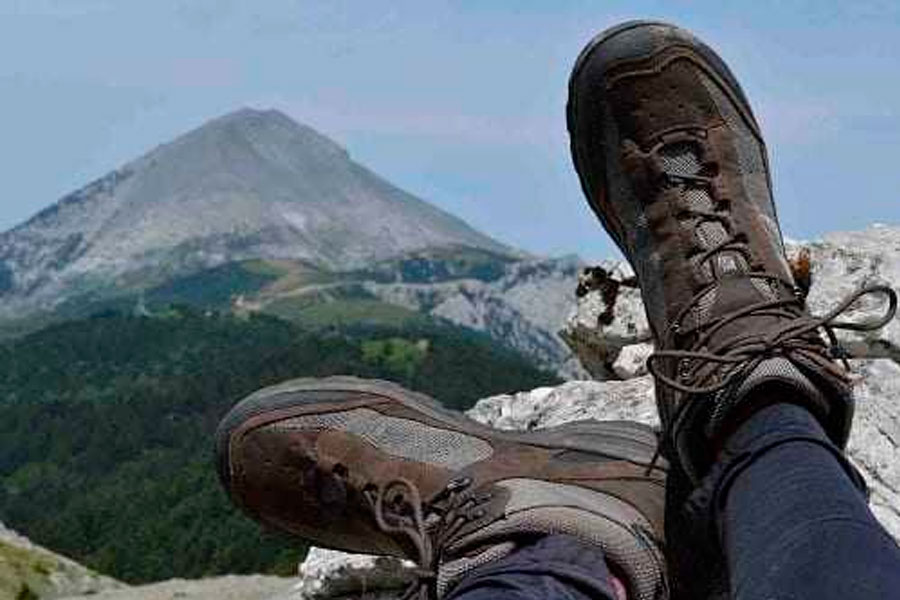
{"points": [[332, 574], [874, 445], [632, 360], [30, 571], [524, 309], [571, 401], [843, 262], [605, 321]]}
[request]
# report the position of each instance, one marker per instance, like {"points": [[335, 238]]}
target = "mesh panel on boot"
{"points": [[773, 369], [763, 287], [749, 154], [698, 199], [681, 159], [401, 438], [751, 159], [711, 234], [700, 310]]}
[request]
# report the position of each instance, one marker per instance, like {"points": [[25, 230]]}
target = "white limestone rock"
{"points": [[571, 401], [632, 360], [332, 574], [597, 343], [845, 261], [874, 443]]}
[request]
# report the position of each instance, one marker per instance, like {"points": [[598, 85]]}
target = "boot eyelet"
{"points": [[684, 368]]}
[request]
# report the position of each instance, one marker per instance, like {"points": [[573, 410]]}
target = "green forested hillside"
{"points": [[106, 426]]}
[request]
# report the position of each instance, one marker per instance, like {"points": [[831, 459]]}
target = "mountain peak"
{"points": [[263, 129], [247, 118], [248, 184]]}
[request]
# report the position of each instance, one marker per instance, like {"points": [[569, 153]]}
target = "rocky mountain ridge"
{"points": [[254, 212], [250, 184]]}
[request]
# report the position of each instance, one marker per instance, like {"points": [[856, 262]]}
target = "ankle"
{"points": [[775, 415], [770, 429]]}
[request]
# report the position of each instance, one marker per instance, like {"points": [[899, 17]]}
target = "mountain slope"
{"points": [[251, 184]]}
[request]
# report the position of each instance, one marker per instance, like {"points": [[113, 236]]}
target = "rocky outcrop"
{"points": [[875, 439], [28, 571], [524, 309], [332, 574], [572, 401], [841, 263]]}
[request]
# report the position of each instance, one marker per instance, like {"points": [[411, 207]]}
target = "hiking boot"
{"points": [[673, 163], [367, 466]]}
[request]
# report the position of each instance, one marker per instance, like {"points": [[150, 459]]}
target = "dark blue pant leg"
{"points": [[794, 522], [556, 567]]}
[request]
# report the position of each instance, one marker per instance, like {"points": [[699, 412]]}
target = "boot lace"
{"points": [[798, 335], [685, 163], [429, 526]]}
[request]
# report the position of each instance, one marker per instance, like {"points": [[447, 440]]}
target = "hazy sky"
{"points": [[460, 103]]}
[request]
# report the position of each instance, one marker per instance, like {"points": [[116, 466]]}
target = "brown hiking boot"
{"points": [[367, 466], [672, 161]]}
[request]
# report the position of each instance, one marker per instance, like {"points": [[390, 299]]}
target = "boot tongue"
{"points": [[734, 294]]}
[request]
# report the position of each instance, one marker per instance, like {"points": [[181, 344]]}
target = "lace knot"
{"points": [[399, 509], [796, 335]]}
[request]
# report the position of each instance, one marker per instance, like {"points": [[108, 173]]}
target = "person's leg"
{"points": [[557, 567], [793, 520]]}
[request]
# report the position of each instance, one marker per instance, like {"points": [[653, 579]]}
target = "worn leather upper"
{"points": [[672, 161], [367, 466]]}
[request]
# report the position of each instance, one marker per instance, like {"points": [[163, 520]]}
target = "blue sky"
{"points": [[461, 103]]}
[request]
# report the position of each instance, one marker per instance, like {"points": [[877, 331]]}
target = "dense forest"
{"points": [[106, 426]]}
